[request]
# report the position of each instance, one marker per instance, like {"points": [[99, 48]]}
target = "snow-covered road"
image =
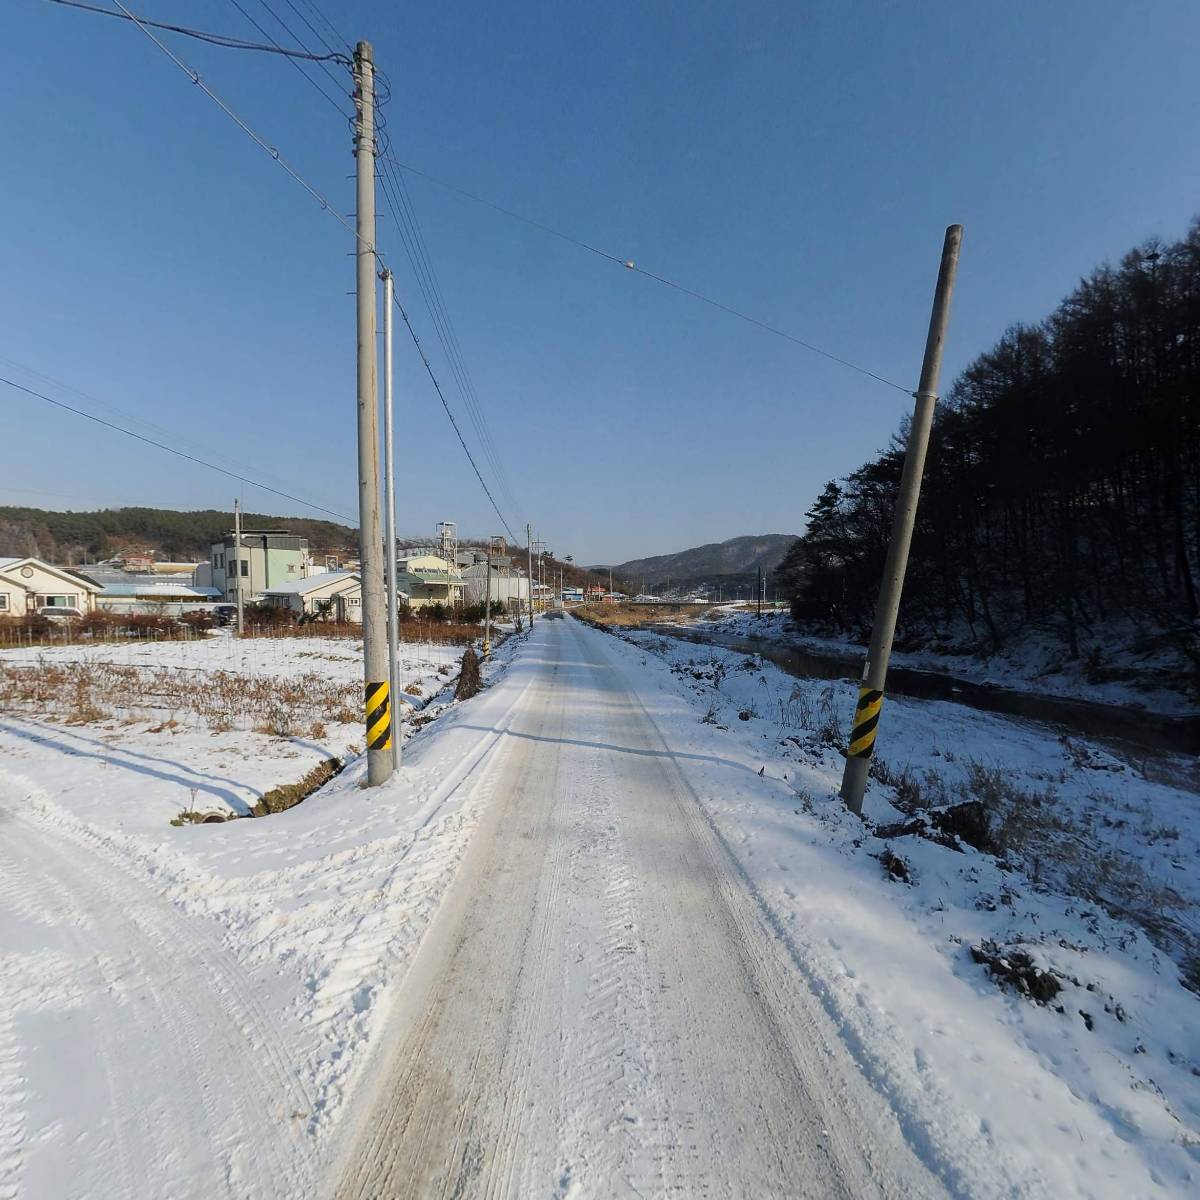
{"points": [[599, 1007]]}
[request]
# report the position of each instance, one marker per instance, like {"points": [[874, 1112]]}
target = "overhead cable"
{"points": [[437, 387], [216, 39], [327, 205], [630, 265], [79, 412]]}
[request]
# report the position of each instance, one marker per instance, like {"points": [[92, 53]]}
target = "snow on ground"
{"points": [[188, 1011], [1096, 1093], [1109, 670], [184, 1009]]}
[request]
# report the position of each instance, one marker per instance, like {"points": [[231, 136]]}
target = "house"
{"points": [[266, 559], [508, 590], [335, 593], [27, 584], [156, 596], [429, 579]]}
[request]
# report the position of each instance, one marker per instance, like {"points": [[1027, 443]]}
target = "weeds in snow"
{"points": [[85, 693], [1076, 851], [288, 795]]}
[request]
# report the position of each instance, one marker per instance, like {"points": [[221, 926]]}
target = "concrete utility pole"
{"points": [[529, 547], [377, 697], [759, 590], [487, 604], [237, 565], [887, 607], [389, 511]]}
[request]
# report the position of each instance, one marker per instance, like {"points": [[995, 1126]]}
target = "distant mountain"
{"points": [[734, 560]]}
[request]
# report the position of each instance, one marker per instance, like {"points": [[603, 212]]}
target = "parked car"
{"points": [[59, 612], [224, 614]]}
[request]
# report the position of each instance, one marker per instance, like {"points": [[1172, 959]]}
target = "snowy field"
{"points": [[1096, 1093], [200, 1010], [1107, 672], [128, 1068]]}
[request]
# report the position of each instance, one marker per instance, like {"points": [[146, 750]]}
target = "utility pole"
{"points": [[610, 581], [377, 697], [887, 607], [487, 606], [389, 511], [529, 547], [237, 565], [759, 589]]}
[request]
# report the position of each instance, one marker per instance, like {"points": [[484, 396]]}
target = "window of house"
{"points": [[352, 601], [291, 568], [245, 565], [3, 602], [54, 601]]}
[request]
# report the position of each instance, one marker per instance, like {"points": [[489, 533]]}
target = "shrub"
{"points": [[469, 681]]}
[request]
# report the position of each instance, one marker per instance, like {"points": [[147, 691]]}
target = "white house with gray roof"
{"points": [[29, 584], [341, 589]]}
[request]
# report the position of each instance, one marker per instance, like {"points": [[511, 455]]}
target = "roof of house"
{"points": [[9, 564], [160, 591], [301, 587]]}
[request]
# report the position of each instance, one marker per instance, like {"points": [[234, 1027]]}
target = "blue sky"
{"points": [[797, 161]]}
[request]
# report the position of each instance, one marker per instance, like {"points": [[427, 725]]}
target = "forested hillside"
{"points": [[1063, 482], [165, 533], [737, 557]]}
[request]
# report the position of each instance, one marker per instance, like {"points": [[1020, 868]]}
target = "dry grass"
{"points": [[288, 795], [631, 616], [84, 693], [1069, 848], [415, 632]]}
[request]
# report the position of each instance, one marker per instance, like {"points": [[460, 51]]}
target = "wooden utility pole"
{"points": [[874, 676]]}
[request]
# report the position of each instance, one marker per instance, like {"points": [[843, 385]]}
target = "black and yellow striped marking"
{"points": [[379, 717], [866, 718]]}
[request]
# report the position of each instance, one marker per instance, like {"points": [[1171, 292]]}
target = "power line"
{"points": [[462, 442], [325, 203], [304, 74], [413, 241], [94, 403], [315, 32], [79, 412], [320, 15], [216, 39], [405, 217], [630, 265], [196, 78], [337, 83]]}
